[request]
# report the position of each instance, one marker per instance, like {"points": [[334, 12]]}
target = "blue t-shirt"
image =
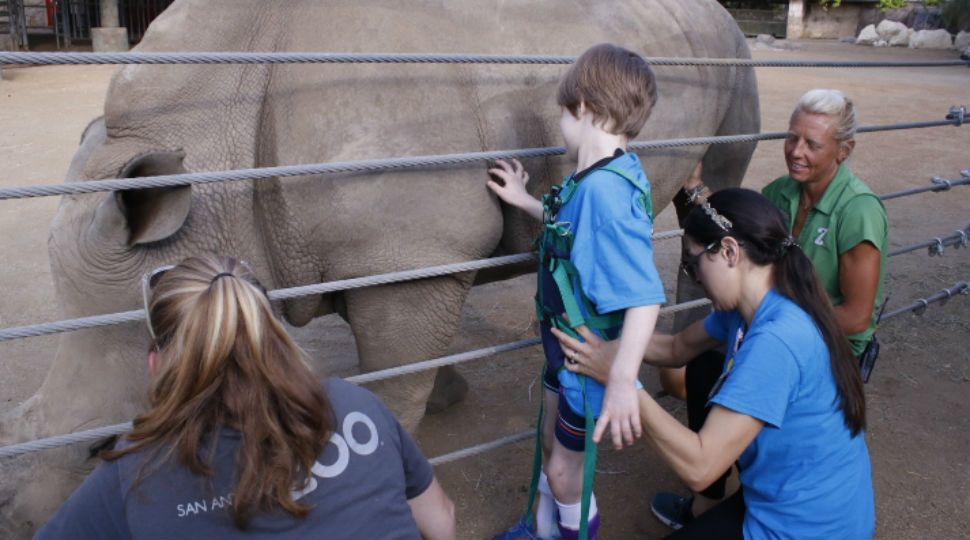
{"points": [[359, 488], [804, 476], [613, 255]]}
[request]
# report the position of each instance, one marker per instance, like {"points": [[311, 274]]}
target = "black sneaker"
{"points": [[672, 510]]}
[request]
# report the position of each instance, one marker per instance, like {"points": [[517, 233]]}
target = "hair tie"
{"points": [[786, 245], [719, 220], [221, 274]]}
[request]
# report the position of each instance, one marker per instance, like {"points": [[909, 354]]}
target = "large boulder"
{"points": [[894, 33], [926, 18], [868, 36], [912, 15], [962, 41], [931, 39]]}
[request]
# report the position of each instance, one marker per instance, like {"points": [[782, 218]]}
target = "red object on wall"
{"points": [[50, 11]]}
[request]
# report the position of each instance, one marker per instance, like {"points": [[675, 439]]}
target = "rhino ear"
{"points": [[154, 214]]}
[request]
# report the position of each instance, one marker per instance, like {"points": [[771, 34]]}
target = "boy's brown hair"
{"points": [[617, 86]]}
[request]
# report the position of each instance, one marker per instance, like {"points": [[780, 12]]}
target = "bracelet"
{"points": [[695, 193]]}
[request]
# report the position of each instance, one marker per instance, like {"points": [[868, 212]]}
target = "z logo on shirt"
{"points": [[819, 240]]}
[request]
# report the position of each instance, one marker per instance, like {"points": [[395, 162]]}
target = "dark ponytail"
{"points": [[764, 236]]}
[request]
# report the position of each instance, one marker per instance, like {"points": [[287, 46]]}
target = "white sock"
{"points": [[546, 510], [569, 514]]}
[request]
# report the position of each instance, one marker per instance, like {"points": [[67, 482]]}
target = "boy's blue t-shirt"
{"points": [[612, 252], [804, 475], [613, 239]]}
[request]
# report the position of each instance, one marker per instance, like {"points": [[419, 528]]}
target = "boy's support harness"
{"points": [[555, 246]]}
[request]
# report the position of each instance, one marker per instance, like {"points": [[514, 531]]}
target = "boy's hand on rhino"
{"points": [[514, 180], [621, 412]]}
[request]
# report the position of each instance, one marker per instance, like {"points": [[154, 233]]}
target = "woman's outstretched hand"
{"points": [[593, 358]]}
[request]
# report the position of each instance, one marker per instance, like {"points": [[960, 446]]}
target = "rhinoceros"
{"points": [[176, 118]]}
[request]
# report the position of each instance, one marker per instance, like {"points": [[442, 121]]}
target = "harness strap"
{"points": [[646, 200], [529, 517], [589, 468], [562, 269]]}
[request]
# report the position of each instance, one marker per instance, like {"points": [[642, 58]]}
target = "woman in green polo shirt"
{"points": [[840, 224]]}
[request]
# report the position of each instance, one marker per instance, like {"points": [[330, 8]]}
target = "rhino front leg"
{"points": [[405, 323], [449, 388]]}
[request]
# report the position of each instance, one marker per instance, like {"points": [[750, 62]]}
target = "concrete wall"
{"points": [[832, 23]]}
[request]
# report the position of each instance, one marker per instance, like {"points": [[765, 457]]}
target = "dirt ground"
{"points": [[918, 426]]}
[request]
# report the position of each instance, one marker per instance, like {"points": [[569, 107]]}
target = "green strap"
{"points": [[589, 468], [646, 200], [560, 274], [536, 467], [561, 271]]}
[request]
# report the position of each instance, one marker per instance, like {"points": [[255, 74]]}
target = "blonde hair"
{"points": [[831, 103], [617, 86], [227, 361]]}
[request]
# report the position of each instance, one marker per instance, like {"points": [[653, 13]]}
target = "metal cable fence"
{"points": [[918, 306], [955, 117], [417, 58]]}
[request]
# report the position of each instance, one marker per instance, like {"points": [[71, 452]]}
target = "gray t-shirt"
{"points": [[359, 488]]}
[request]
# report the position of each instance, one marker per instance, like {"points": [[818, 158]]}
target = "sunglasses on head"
{"points": [[688, 264], [148, 282]]}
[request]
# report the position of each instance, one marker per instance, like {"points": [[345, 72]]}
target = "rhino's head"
{"points": [[99, 246]]}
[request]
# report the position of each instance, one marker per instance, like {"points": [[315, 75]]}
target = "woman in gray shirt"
{"points": [[241, 441]]}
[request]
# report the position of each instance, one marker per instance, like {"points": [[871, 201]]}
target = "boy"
{"points": [[596, 266]]}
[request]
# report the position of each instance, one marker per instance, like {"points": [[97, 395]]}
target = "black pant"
{"points": [[723, 522], [701, 375]]}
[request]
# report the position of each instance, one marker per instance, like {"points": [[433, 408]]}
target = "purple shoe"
{"points": [[572, 534], [519, 531]]}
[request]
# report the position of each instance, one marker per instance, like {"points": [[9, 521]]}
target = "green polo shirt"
{"points": [[848, 214]]}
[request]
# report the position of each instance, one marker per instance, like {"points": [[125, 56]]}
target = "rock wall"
{"points": [[832, 23]]}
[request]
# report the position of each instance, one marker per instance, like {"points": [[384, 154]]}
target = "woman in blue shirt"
{"points": [[789, 406]]}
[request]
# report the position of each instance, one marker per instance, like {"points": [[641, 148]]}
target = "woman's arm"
{"points": [[698, 458], [859, 283], [595, 356], [434, 513]]}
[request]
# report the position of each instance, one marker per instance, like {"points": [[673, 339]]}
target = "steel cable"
{"points": [[918, 306], [13, 450], [376, 165], [957, 239], [107, 431], [939, 184], [108, 319], [157, 58]]}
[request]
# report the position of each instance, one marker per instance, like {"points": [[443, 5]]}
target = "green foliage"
{"points": [[886, 5], [956, 15]]}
